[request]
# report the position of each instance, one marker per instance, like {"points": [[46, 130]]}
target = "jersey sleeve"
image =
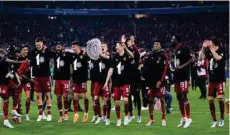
{"points": [[166, 65]]}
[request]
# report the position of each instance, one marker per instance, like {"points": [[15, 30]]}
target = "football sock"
{"points": [[28, 105], [212, 109], [126, 108], [117, 109], [86, 103], [75, 105], [5, 108], [221, 106], [187, 108]]}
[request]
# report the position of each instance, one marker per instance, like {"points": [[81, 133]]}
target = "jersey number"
{"points": [[75, 65], [100, 66], [58, 62], [38, 59], [119, 68], [211, 64]]}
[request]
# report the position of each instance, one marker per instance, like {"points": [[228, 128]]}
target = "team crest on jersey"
{"points": [[62, 63], [81, 57], [79, 65], [42, 59], [215, 65], [91, 65], [102, 65], [124, 59], [133, 62], [116, 59], [177, 62], [122, 67], [12, 66], [178, 52]]}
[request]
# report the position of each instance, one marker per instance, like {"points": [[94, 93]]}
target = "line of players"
{"points": [[112, 75]]}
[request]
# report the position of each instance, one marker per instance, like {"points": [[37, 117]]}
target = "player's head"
{"points": [[76, 46], [104, 47], [156, 45], [132, 38], [59, 47], [128, 42], [175, 40], [11, 50], [119, 46], [39, 43], [215, 41], [24, 50]]}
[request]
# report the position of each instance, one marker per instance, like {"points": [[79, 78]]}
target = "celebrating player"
{"points": [[79, 64], [39, 60], [119, 70], [99, 73], [24, 73], [215, 54], [155, 70], [182, 59], [5, 76], [134, 79], [62, 62]]}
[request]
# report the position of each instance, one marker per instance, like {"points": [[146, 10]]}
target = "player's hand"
{"points": [[105, 87], [158, 84], [205, 43], [123, 39], [44, 47], [211, 47], [140, 66]]}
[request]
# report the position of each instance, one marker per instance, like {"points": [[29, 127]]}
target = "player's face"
{"points": [[129, 43], [119, 48], [173, 41], [24, 51], [59, 48], [104, 48], [75, 48], [39, 45], [156, 46]]}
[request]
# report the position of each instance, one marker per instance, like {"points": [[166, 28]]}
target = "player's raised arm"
{"points": [[201, 53]]}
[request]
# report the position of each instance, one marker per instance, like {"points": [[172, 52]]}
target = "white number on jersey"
{"points": [[100, 66], [38, 59], [119, 68], [58, 62], [211, 64], [75, 65]]}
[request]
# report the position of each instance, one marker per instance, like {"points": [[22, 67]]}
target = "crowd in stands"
{"points": [[23, 29]]}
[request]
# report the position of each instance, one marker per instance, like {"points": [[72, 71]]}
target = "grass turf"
{"points": [[199, 111]]}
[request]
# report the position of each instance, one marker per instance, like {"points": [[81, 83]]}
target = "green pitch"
{"points": [[199, 111]]}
